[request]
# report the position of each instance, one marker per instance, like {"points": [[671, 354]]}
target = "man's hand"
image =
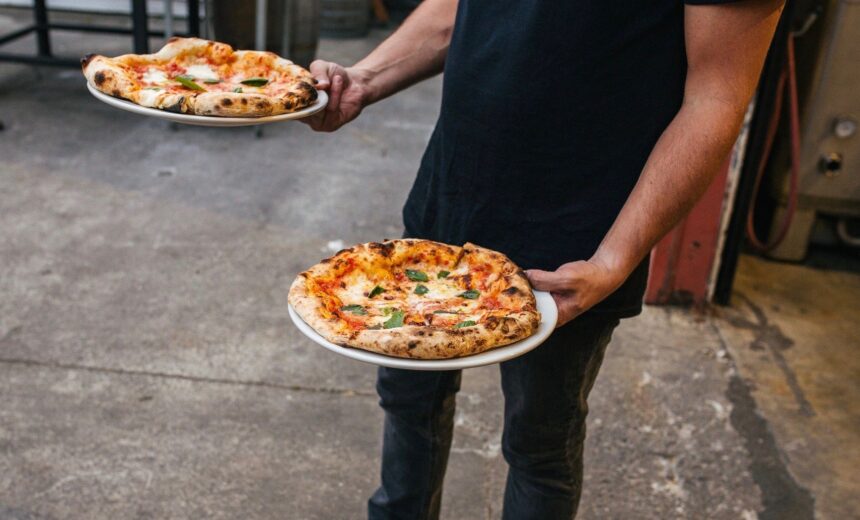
{"points": [[576, 286], [348, 94], [414, 52]]}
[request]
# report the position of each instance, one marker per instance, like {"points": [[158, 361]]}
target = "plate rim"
{"points": [[549, 317], [198, 120]]}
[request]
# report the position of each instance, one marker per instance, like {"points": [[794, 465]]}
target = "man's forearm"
{"points": [[681, 167], [726, 46], [414, 52]]}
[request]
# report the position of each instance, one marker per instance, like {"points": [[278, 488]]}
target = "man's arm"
{"points": [[726, 46], [414, 52]]}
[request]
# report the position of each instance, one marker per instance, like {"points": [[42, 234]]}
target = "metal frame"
{"points": [[139, 31], [764, 106]]}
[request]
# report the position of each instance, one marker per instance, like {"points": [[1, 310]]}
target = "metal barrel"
{"points": [[233, 22], [345, 18]]}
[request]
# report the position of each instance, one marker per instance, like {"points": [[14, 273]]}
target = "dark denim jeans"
{"points": [[545, 408]]}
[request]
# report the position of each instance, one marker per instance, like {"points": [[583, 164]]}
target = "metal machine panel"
{"points": [[830, 149]]}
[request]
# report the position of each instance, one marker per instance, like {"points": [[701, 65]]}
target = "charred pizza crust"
{"points": [[505, 311], [289, 87]]}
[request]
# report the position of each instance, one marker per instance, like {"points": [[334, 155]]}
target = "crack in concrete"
{"points": [[782, 497], [10, 334], [771, 337], [348, 392]]}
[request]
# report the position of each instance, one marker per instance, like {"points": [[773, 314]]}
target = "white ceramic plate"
{"points": [[190, 119], [545, 305]]}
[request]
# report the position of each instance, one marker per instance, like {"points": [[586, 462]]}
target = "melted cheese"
{"points": [[356, 288], [155, 76], [442, 294], [202, 72], [439, 290]]}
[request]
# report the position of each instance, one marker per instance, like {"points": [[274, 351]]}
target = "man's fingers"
{"points": [[314, 121], [317, 122], [559, 304], [547, 280], [335, 91], [320, 71], [333, 79], [568, 309]]}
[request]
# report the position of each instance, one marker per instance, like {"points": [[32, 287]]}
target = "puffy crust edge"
{"points": [[251, 104], [113, 80], [412, 341], [308, 306]]}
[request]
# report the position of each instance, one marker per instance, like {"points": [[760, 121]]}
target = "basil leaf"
{"points": [[467, 323], [443, 274], [445, 312], [471, 294], [421, 289], [237, 90], [254, 82], [376, 291], [386, 311], [188, 82], [396, 320], [152, 88], [358, 310], [211, 81], [416, 276]]}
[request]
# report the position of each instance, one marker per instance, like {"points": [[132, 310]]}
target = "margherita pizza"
{"points": [[417, 299], [202, 77]]}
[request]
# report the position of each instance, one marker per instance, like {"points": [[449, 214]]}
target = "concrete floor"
{"points": [[794, 336], [148, 368]]}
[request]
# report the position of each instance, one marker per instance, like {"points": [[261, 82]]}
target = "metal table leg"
{"points": [[140, 30], [287, 37], [168, 19], [260, 26], [194, 17], [210, 25], [43, 40], [260, 42]]}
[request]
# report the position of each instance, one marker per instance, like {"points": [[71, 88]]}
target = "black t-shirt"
{"points": [[550, 109]]}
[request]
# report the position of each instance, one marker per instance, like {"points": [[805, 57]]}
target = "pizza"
{"points": [[202, 77], [417, 299]]}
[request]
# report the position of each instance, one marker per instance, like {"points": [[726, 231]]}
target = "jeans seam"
{"points": [[568, 441], [433, 451]]}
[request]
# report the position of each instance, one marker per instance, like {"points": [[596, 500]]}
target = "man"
{"points": [[572, 136]]}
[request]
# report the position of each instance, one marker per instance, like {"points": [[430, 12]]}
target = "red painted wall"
{"points": [[681, 262]]}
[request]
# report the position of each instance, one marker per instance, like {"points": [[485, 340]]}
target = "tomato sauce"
{"points": [[174, 69], [352, 323], [491, 303]]}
